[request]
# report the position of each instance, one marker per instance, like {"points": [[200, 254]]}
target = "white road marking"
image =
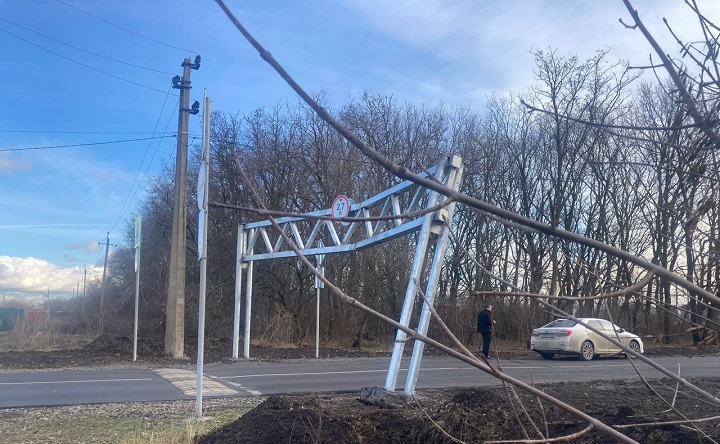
{"points": [[245, 389], [348, 372], [82, 381]]}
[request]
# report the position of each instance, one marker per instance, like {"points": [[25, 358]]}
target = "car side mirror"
{"points": [[620, 330]]}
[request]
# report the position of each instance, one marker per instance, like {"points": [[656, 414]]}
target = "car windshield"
{"points": [[561, 323]]}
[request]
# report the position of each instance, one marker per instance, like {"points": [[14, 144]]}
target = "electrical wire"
{"points": [[81, 132], [125, 205], [81, 63], [83, 144], [147, 169], [85, 50], [125, 29], [157, 146]]}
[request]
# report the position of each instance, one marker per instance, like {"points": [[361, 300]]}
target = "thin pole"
{"points": [[83, 299], [137, 306], [137, 284], [318, 285], [238, 290], [203, 260], [248, 307], [317, 323], [76, 297]]}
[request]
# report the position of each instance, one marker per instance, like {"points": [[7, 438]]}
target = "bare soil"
{"points": [[472, 415]]}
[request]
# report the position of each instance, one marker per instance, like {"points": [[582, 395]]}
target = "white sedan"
{"points": [[567, 337]]}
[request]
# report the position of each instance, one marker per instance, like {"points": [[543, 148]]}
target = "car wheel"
{"points": [[634, 346], [546, 355], [587, 351]]}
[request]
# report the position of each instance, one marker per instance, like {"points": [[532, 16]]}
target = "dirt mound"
{"points": [[470, 415]]}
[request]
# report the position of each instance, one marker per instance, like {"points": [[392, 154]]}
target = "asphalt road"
{"points": [[251, 378]]}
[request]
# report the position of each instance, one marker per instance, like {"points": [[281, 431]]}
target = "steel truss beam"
{"points": [[261, 241]]}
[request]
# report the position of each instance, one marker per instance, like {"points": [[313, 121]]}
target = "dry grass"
{"points": [[278, 332], [90, 424], [179, 432], [40, 336]]}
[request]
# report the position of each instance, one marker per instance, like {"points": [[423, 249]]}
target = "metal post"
{"points": [[317, 323], [84, 281], [318, 285], [138, 222], [137, 311], [238, 289], [432, 284], [203, 259], [411, 291], [248, 306]]}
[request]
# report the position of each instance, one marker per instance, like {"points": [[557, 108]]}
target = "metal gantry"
{"points": [[313, 236]]}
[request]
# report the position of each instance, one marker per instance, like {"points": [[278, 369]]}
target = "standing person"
{"points": [[485, 327]]}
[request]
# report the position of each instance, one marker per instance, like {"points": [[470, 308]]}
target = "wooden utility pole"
{"points": [[175, 313]]}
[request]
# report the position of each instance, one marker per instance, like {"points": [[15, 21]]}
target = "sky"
{"points": [[88, 115]]}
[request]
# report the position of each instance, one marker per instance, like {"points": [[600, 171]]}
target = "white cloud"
{"points": [[489, 43], [32, 277]]}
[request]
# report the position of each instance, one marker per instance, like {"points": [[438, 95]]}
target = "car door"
{"points": [[607, 328], [600, 343]]}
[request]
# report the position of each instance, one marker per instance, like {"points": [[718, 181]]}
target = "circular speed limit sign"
{"points": [[341, 207]]}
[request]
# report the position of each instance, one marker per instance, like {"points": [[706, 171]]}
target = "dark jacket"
{"points": [[485, 321]]}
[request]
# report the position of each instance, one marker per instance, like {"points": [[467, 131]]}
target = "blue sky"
{"points": [[60, 87]]}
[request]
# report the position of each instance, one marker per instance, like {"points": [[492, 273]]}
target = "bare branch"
{"points": [[606, 125], [437, 426], [664, 423], [565, 438], [626, 25], [275, 213], [465, 350], [667, 63], [647, 384], [352, 302], [622, 292], [510, 216], [714, 400]]}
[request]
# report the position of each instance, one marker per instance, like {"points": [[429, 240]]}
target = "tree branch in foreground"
{"points": [[352, 302], [405, 216], [540, 298], [566, 438], [405, 173]]}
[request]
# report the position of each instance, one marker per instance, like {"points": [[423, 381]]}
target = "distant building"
{"points": [[9, 316]]}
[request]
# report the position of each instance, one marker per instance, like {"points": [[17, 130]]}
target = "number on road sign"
{"points": [[341, 207]]}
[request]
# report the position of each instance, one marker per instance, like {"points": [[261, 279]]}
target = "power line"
{"points": [[85, 50], [125, 29], [80, 63], [47, 226], [83, 144], [147, 168], [80, 132], [126, 204]]}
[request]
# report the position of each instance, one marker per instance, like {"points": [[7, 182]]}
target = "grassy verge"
{"points": [[40, 336], [84, 426]]}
